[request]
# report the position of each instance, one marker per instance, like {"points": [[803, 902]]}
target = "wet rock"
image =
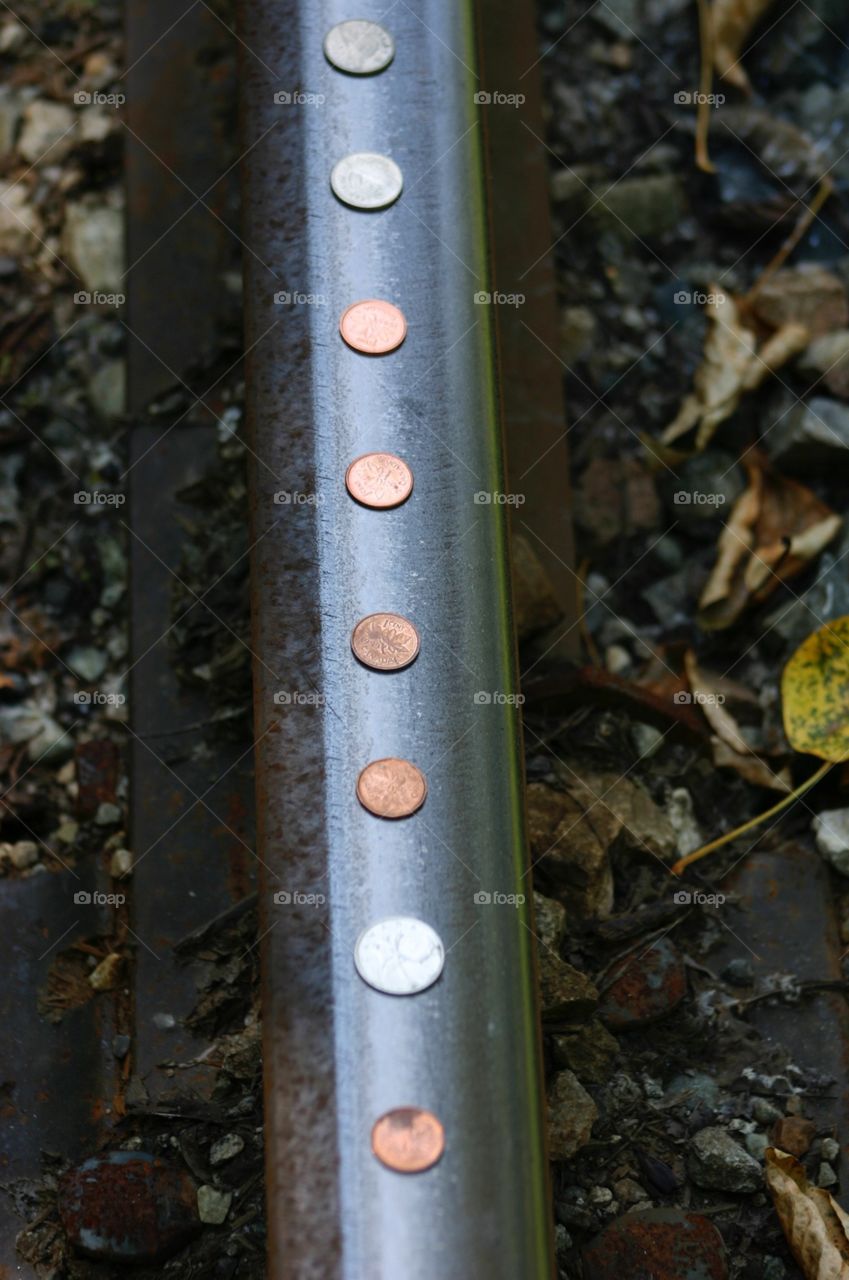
{"points": [[589, 1051], [644, 206], [127, 1207], [93, 239], [20, 224], [567, 852], [213, 1205], [47, 132], [571, 1115], [644, 986], [831, 828], [718, 1163], [534, 601], [658, 1244], [826, 1177], [549, 922], [756, 1145], [828, 358], [565, 992], [807, 295], [810, 436], [226, 1148], [794, 1134]]}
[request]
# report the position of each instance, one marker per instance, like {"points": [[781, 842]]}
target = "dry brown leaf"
{"points": [[776, 527], [733, 20], [752, 768], [814, 1225]]}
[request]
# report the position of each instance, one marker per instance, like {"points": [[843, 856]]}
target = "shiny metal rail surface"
{"points": [[339, 1054]]}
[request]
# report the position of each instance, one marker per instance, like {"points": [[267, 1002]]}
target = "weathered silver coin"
{"points": [[359, 47], [399, 956], [367, 180]]}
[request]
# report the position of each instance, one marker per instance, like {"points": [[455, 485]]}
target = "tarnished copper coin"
{"points": [[379, 480], [385, 641], [391, 788], [373, 327], [408, 1139]]}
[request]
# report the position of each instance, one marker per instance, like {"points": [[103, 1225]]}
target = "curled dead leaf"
{"points": [[776, 527], [733, 20], [731, 365], [815, 1226], [752, 768]]}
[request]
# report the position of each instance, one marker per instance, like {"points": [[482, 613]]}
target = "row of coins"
{"points": [[402, 955]]}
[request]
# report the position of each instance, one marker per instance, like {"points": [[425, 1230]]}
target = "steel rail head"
{"points": [[400, 1053]]}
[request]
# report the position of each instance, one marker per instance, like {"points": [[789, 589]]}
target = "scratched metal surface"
{"points": [[338, 1053]]}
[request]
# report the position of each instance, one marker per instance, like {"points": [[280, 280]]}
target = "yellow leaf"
{"points": [[815, 693], [814, 1225]]}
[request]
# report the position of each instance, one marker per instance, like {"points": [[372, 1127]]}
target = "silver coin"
{"points": [[367, 180], [400, 955], [359, 47]]}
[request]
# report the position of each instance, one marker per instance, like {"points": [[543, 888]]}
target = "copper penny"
{"points": [[373, 327], [379, 480], [385, 641], [391, 788], [408, 1139]]}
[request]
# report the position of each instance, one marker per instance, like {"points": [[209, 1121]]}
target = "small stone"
{"points": [[571, 1115], [108, 815], [830, 1149], [121, 864], [694, 1090], [20, 223], [565, 992], [86, 662], [811, 436], [549, 922], [794, 1134], [120, 1046], [577, 332], [644, 986], [646, 739], [773, 1268], [66, 832], [96, 123], [793, 1105], [764, 1111], [164, 1021], [107, 389], [658, 1244], [756, 1144], [679, 811], [628, 1191], [831, 828], [106, 976], [226, 1148], [23, 854], [13, 34], [600, 1196], [739, 973], [617, 659], [126, 1207], [826, 1176], [213, 1205], [589, 1051], [827, 359], [718, 1163], [93, 241], [568, 855], [47, 134], [639, 207], [534, 601]]}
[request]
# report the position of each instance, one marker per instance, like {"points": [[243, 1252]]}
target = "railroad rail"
{"points": [[339, 1054]]}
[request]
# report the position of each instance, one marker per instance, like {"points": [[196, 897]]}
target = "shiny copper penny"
{"points": [[391, 788], [373, 327], [385, 641], [408, 1139], [379, 480]]}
